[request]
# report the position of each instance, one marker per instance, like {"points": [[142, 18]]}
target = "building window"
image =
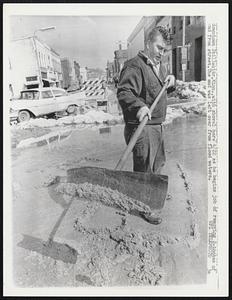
{"points": [[31, 78], [187, 20], [174, 29], [181, 24], [44, 75]]}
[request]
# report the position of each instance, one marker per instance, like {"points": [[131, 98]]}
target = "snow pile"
{"points": [[173, 113], [190, 90], [198, 108], [91, 117], [40, 122]]}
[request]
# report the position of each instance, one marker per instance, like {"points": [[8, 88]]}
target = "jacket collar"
{"points": [[148, 61]]}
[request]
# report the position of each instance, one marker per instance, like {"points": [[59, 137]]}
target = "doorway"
{"points": [[198, 58], [174, 62]]}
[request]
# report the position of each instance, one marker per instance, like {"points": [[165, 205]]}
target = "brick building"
{"points": [[120, 56], [110, 71], [71, 74]]}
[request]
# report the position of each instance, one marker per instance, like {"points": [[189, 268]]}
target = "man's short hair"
{"points": [[159, 30]]}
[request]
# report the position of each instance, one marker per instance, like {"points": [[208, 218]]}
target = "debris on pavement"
{"points": [[189, 90]]}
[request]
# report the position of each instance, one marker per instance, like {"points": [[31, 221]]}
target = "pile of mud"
{"points": [[114, 252], [104, 195], [114, 248]]}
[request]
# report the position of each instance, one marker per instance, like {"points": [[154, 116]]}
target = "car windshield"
{"points": [[29, 95]]}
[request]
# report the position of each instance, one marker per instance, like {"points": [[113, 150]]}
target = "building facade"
{"points": [[83, 74], [77, 71], [93, 73], [110, 71], [68, 71], [42, 66], [114, 68], [194, 54], [120, 56]]}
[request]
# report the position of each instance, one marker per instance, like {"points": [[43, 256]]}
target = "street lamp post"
{"points": [[36, 52]]}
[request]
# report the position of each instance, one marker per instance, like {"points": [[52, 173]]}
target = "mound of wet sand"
{"points": [[104, 195]]}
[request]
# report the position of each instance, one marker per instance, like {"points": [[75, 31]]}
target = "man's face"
{"points": [[157, 48]]}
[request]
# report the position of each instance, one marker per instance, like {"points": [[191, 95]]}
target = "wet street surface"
{"points": [[35, 209]]}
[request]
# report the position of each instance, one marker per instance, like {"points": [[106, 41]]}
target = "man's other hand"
{"points": [[171, 79], [143, 111]]}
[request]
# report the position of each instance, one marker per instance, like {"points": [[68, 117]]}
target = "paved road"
{"points": [[35, 211]]}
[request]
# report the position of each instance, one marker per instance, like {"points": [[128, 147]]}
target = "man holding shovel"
{"points": [[141, 80]]}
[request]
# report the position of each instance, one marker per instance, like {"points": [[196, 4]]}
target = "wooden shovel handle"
{"points": [[58, 222], [138, 131]]}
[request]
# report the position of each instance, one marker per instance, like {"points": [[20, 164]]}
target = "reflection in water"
{"points": [[105, 130]]}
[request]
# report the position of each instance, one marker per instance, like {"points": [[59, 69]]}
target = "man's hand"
{"points": [[143, 111], [171, 79]]}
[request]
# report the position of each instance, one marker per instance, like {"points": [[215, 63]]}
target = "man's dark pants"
{"points": [[148, 152]]}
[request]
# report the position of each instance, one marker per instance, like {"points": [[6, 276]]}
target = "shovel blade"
{"points": [[150, 189], [51, 249]]}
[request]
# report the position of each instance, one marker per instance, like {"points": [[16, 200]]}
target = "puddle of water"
{"points": [[186, 141]]}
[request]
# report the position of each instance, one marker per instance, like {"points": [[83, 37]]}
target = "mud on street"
{"points": [[114, 247]]}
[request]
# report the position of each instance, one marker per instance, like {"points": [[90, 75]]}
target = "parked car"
{"points": [[45, 101]]}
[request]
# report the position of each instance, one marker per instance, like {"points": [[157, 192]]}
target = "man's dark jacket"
{"points": [[138, 86]]}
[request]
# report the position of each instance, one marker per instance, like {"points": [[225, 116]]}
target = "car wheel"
{"points": [[24, 115], [72, 110]]}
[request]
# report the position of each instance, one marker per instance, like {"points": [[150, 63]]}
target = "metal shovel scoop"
{"points": [[149, 188]]}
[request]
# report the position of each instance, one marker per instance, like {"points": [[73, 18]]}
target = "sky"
{"points": [[91, 41]]}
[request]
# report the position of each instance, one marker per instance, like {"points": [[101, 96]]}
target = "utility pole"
{"points": [[37, 62], [183, 50], [36, 52]]}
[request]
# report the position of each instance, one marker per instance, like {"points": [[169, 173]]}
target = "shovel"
{"points": [[148, 188], [51, 248]]}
